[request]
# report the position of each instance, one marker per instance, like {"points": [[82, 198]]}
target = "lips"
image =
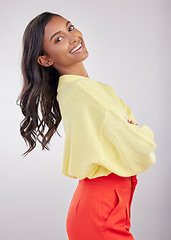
{"points": [[77, 48]]}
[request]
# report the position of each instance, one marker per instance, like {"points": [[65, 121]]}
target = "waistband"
{"points": [[110, 180]]}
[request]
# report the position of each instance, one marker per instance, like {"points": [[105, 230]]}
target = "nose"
{"points": [[73, 39]]}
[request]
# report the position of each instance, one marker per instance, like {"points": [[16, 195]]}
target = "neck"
{"points": [[77, 69]]}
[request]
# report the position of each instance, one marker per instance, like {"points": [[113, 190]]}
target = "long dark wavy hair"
{"points": [[37, 99]]}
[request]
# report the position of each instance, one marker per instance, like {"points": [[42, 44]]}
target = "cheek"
{"points": [[55, 51], [59, 54]]}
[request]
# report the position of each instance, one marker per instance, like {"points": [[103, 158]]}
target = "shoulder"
{"points": [[107, 88], [96, 88], [83, 91], [87, 84], [82, 87]]}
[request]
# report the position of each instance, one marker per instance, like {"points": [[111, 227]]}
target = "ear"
{"points": [[44, 61]]}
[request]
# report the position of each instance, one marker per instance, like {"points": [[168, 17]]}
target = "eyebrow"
{"points": [[58, 31]]}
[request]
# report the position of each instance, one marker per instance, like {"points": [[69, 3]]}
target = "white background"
{"points": [[129, 49]]}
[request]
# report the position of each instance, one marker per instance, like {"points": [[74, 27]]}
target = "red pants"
{"points": [[100, 209]]}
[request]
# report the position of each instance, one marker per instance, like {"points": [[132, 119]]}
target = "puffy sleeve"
{"points": [[98, 134], [128, 111], [126, 108], [133, 146]]}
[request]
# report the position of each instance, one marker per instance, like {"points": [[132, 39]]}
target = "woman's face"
{"points": [[63, 44]]}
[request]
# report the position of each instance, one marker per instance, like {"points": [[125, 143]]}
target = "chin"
{"points": [[86, 56], [80, 58]]}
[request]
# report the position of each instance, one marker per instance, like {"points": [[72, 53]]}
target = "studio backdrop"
{"points": [[129, 49]]}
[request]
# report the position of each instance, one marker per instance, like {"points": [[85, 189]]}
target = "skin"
{"points": [[57, 47]]}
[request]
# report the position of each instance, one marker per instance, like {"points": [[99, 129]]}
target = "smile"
{"points": [[77, 48]]}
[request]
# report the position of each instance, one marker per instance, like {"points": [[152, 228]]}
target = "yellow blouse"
{"points": [[98, 137]]}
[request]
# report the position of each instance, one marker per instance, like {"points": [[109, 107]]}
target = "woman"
{"points": [[104, 147]]}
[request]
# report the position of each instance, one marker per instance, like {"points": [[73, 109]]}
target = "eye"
{"points": [[58, 39], [71, 28]]}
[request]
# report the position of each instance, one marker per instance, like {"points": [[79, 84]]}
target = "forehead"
{"points": [[56, 24]]}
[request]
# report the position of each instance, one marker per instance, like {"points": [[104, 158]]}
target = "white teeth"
{"points": [[76, 48]]}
